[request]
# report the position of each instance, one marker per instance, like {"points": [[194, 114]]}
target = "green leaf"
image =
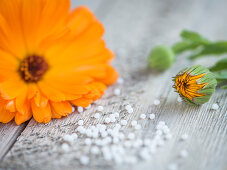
{"points": [[191, 40], [221, 75], [216, 48], [185, 45], [193, 36], [220, 65], [224, 87]]}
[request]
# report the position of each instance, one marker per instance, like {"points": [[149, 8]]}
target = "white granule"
{"points": [[184, 137], [134, 123], [95, 150], [65, 147], [152, 116], [117, 91], [120, 80], [116, 114], [179, 99], [97, 115], [183, 153], [173, 166], [100, 108], [87, 141], [127, 107], [107, 120], [143, 116], [74, 136], [88, 107], [156, 102], [80, 109], [73, 109], [215, 106], [80, 122], [68, 138], [131, 136], [124, 122], [84, 160], [137, 127]]}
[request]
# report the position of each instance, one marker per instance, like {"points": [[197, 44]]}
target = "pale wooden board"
{"points": [[132, 28]]}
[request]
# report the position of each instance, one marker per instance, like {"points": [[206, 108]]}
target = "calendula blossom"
{"points": [[195, 84], [50, 58]]}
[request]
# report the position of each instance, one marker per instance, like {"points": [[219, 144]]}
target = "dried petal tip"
{"points": [[161, 58], [195, 84]]}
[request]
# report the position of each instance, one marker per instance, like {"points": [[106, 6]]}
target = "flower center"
{"points": [[187, 85], [32, 68]]}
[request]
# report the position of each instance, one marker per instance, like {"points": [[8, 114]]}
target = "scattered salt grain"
{"points": [[88, 107], [107, 120], [95, 150], [152, 116], [74, 136], [117, 92], [116, 114], [143, 116], [100, 108], [87, 141], [134, 123], [80, 109], [73, 109], [179, 99], [127, 107], [97, 115], [184, 137], [80, 122], [120, 80], [147, 142], [168, 136], [118, 126], [215, 106], [124, 122], [68, 138], [156, 102], [131, 136], [173, 166], [65, 147], [183, 153], [137, 127], [84, 160]]}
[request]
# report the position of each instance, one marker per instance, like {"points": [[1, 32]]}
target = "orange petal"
{"points": [[22, 102], [60, 109], [5, 115], [111, 76], [41, 114], [11, 88], [83, 102], [40, 100], [10, 106], [21, 118], [79, 19]]}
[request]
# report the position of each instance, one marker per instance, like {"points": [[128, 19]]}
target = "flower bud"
{"points": [[195, 84], [161, 57]]}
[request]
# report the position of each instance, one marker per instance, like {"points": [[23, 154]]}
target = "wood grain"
{"points": [[132, 28]]}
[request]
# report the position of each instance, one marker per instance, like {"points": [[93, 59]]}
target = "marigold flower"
{"points": [[50, 57], [195, 84], [161, 57]]}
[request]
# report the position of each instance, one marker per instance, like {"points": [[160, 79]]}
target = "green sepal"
{"points": [[220, 65], [161, 58]]}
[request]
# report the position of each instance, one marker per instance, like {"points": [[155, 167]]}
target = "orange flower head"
{"points": [[195, 85], [51, 58]]}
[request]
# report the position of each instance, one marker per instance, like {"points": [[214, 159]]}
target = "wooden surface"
{"points": [[132, 28]]}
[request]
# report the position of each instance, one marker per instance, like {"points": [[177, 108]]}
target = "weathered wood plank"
{"points": [[132, 28], [9, 133]]}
